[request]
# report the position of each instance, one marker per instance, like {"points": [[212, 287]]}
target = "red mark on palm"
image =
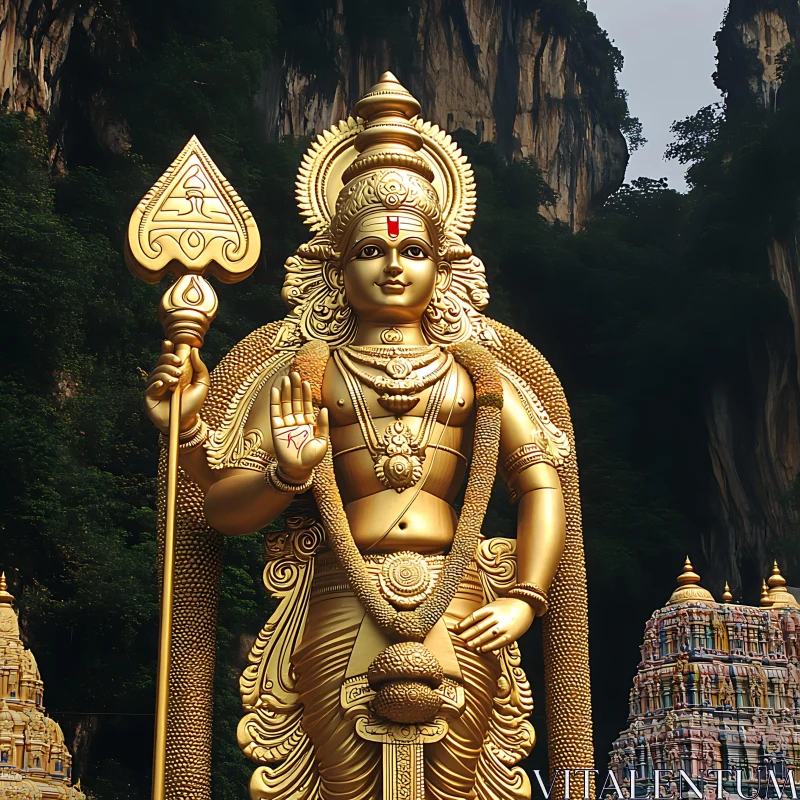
{"points": [[294, 437]]}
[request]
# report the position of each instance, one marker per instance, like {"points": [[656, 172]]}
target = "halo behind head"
{"points": [[388, 158], [388, 134]]}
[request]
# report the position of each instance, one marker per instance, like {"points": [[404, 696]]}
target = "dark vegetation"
{"points": [[638, 313]]}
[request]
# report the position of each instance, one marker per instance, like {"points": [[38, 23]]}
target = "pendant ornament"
{"points": [[405, 579], [397, 455], [391, 336], [399, 466], [397, 389]]}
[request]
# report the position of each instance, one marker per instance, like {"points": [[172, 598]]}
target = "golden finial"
{"points": [[778, 595], [689, 588], [5, 596], [389, 138], [192, 222], [727, 597], [765, 601]]}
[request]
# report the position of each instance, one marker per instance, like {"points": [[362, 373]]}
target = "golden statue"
{"points": [[390, 667]]}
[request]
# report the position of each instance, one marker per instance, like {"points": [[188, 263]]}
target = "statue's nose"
{"points": [[394, 267]]}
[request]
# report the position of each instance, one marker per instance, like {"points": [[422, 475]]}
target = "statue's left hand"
{"points": [[496, 625]]}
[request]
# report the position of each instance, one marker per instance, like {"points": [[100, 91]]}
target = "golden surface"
{"points": [[689, 587], [363, 567], [779, 596], [34, 760], [192, 221]]}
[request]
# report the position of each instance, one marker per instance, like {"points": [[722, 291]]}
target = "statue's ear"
{"points": [[444, 276], [334, 275]]}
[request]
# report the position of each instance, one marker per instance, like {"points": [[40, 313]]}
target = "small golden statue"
{"points": [[390, 667]]}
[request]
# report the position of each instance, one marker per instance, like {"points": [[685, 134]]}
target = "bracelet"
{"points": [[532, 594], [195, 436], [281, 485]]}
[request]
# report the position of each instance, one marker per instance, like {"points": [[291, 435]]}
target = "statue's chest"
{"points": [[375, 449], [349, 404]]}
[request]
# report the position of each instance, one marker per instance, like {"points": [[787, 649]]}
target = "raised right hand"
{"points": [[299, 438], [170, 372]]}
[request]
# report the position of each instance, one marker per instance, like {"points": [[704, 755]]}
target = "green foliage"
{"points": [[594, 58], [77, 513], [695, 134], [632, 129]]}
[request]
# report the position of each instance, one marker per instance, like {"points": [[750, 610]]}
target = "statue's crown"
{"points": [[389, 139]]}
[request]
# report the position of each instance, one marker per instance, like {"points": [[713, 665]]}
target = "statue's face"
{"points": [[390, 267]]}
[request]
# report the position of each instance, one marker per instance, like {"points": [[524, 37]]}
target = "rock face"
{"points": [[492, 68], [754, 427], [34, 41], [485, 66]]}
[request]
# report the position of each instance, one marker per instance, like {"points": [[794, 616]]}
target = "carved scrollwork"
{"points": [[510, 737], [497, 564], [232, 445], [194, 217], [296, 777], [550, 438], [272, 733]]}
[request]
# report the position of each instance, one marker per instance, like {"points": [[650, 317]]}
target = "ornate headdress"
{"points": [[386, 158]]}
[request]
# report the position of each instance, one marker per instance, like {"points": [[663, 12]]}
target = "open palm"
{"points": [[299, 437]]}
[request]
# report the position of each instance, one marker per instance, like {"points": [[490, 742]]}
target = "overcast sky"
{"points": [[669, 57]]}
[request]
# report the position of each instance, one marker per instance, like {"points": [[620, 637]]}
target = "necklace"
{"points": [[397, 362], [398, 456], [397, 387]]}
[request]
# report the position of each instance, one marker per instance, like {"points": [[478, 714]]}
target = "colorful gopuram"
{"points": [[34, 761], [718, 687]]}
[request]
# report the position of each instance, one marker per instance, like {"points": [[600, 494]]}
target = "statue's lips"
{"points": [[393, 287]]}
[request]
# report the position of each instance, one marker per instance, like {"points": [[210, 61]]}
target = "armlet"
{"points": [[549, 441]]}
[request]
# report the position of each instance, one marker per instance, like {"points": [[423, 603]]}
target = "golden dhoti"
{"points": [[339, 642]]}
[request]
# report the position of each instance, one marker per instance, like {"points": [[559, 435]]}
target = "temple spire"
{"points": [[689, 588], [779, 596], [6, 598], [765, 601], [727, 597]]}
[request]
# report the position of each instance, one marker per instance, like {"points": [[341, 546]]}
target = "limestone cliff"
{"points": [[500, 70], [753, 426], [34, 41]]}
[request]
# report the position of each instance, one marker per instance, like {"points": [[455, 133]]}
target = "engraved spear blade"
{"points": [[191, 223]]}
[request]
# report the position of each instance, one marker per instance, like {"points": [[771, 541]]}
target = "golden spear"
{"points": [[191, 223]]}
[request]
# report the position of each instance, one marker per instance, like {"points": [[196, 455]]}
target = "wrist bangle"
{"points": [[532, 594], [279, 483], [195, 436]]}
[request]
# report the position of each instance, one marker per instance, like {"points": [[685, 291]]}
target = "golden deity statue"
{"points": [[375, 417]]}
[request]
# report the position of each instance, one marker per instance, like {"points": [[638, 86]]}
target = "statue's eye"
{"points": [[369, 251], [414, 251]]}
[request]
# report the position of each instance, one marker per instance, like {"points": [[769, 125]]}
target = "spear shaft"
{"points": [[165, 629], [191, 223]]}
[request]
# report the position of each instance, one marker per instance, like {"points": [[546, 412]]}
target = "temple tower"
{"points": [[34, 761], [718, 687]]}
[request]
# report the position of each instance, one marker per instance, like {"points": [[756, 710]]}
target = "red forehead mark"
{"points": [[393, 227]]}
